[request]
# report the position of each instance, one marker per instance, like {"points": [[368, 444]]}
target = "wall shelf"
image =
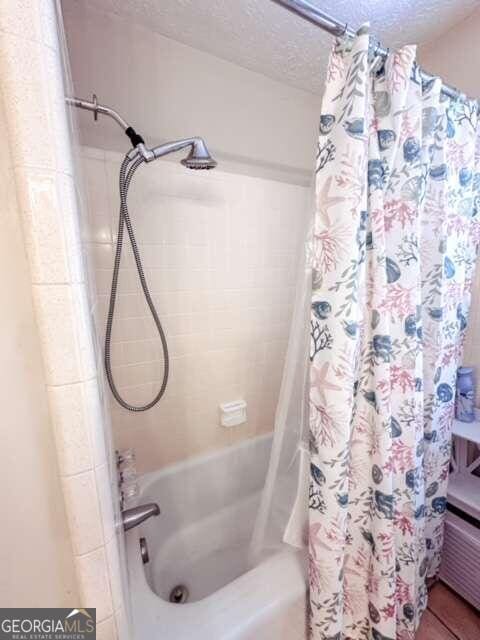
{"points": [[464, 493], [467, 430]]}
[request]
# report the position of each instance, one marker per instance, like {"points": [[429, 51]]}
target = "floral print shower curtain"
{"points": [[394, 245]]}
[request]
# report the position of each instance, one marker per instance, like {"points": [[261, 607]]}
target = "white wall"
{"points": [[36, 557], [168, 90], [220, 253], [455, 58]]}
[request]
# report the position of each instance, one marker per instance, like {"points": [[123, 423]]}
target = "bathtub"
{"points": [[200, 540]]}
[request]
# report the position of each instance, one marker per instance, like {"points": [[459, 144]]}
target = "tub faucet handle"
{"points": [[136, 515]]}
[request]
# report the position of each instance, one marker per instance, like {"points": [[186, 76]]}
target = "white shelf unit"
{"points": [[463, 486], [464, 493], [461, 558], [461, 548], [468, 430]]}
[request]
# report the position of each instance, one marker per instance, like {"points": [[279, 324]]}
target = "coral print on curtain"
{"points": [[394, 247]]}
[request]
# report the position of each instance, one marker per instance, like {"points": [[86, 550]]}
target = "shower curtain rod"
{"points": [[319, 18]]}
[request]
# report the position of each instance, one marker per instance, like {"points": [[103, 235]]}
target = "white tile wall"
{"points": [[94, 581], [220, 253]]}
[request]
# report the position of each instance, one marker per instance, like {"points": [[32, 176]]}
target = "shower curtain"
{"points": [[394, 244]]}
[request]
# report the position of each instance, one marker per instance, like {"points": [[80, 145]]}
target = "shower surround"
{"points": [[46, 189], [220, 252]]}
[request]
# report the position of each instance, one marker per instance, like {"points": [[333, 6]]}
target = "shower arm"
{"points": [[96, 108], [137, 141]]}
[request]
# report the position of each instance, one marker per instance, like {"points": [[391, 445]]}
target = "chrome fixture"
{"points": [[179, 594], [144, 551], [92, 105], [133, 517], [197, 158], [319, 18]]}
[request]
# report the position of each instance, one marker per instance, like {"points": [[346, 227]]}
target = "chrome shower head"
{"points": [[199, 157]]}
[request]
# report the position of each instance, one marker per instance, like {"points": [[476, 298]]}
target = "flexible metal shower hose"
{"points": [[127, 170]]}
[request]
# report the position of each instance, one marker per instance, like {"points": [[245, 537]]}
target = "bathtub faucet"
{"points": [[135, 516]]}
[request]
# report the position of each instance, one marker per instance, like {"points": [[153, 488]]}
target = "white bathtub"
{"points": [[200, 540]]}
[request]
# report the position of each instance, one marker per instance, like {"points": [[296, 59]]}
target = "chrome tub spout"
{"points": [[133, 517]]}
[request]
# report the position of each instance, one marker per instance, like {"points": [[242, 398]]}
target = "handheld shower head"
{"points": [[198, 158]]}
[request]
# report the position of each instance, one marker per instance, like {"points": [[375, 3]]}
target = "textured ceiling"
{"points": [[264, 37]]}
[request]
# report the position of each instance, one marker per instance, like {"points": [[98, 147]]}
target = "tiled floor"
{"points": [[448, 617]]}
